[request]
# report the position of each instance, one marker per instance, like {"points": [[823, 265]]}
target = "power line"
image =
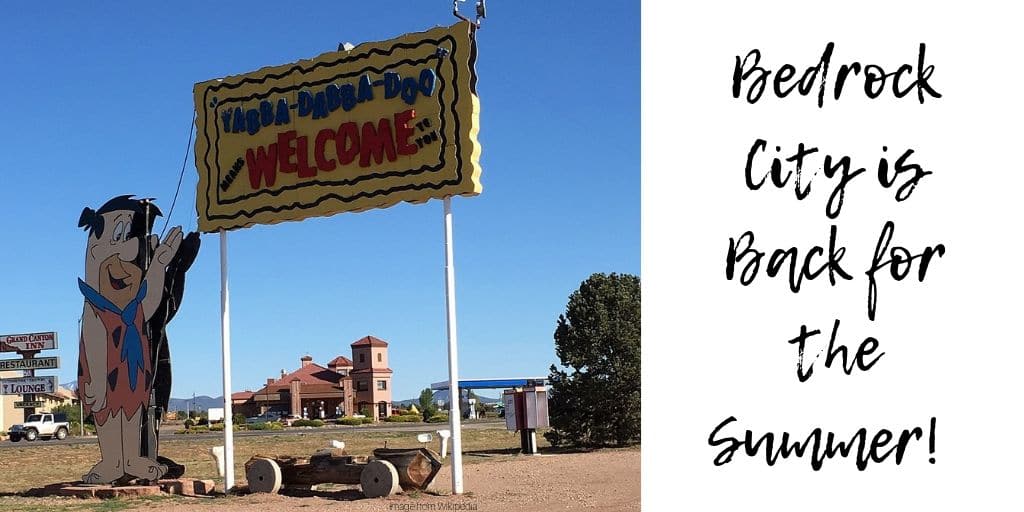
{"points": [[184, 162]]}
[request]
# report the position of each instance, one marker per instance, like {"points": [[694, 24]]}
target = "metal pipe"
{"points": [[454, 398], [225, 340]]}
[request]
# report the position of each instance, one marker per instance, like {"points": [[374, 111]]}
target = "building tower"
{"points": [[371, 377]]}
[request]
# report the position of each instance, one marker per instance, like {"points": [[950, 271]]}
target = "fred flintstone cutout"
{"points": [[133, 285]]}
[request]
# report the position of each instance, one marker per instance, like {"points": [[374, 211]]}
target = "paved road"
{"points": [[167, 434]]}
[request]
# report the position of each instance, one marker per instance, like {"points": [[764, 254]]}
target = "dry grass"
{"points": [[36, 464]]}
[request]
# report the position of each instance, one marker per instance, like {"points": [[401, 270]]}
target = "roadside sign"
{"points": [[38, 363], [28, 405], [28, 385], [26, 342]]}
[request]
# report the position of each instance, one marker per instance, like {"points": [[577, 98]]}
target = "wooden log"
{"points": [[323, 470], [416, 467], [336, 453]]}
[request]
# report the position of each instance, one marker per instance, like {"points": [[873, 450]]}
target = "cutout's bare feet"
{"points": [[145, 468], [103, 473]]}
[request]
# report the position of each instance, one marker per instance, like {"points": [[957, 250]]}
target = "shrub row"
{"points": [[308, 423], [273, 425], [349, 420], [404, 418], [438, 418]]}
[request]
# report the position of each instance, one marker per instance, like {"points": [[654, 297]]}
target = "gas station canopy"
{"points": [[493, 383]]}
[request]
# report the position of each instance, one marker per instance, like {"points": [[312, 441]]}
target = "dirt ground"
{"points": [[597, 481], [605, 480]]}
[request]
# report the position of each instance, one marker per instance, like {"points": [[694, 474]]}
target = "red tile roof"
{"points": [[340, 361], [369, 341], [242, 395], [310, 374]]}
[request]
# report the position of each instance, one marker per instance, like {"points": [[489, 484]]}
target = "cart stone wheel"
{"points": [[264, 475], [379, 478]]}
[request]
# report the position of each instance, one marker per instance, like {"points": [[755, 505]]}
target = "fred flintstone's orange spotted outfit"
{"points": [[127, 353]]}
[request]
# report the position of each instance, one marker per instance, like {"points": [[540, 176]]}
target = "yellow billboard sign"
{"points": [[346, 131]]}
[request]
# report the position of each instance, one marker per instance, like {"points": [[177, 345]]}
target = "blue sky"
{"points": [[97, 102]]}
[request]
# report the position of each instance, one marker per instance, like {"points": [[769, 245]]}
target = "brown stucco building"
{"points": [[344, 387]]}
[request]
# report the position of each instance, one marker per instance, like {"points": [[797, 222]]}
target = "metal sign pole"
{"points": [[29, 397], [454, 397], [225, 342], [81, 406]]}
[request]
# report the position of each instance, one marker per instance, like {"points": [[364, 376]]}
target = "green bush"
{"points": [[273, 425], [367, 420], [438, 418], [308, 423], [189, 423], [238, 418], [404, 418], [349, 420], [219, 427]]}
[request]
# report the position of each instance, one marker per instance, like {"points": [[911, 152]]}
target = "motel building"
{"points": [[342, 387]]}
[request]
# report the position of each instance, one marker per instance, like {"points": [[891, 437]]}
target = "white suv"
{"points": [[44, 425]]}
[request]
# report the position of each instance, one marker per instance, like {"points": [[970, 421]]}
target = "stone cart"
{"points": [[388, 471]]}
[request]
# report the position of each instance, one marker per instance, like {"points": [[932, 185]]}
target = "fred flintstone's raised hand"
{"points": [[166, 250], [157, 272]]}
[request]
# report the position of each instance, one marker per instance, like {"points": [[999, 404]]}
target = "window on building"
{"points": [[380, 357], [362, 385], [382, 385], [362, 358]]}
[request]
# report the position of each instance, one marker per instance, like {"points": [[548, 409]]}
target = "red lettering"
{"points": [[346, 153], [285, 151], [403, 131], [262, 164], [305, 171], [318, 150], [376, 143]]}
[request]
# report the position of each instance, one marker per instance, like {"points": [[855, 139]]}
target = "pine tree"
{"points": [[427, 406], [595, 399]]}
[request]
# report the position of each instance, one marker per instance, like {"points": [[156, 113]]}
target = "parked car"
{"points": [[45, 425], [266, 417]]}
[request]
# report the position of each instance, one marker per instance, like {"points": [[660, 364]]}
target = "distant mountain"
{"points": [[201, 403], [442, 396]]}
